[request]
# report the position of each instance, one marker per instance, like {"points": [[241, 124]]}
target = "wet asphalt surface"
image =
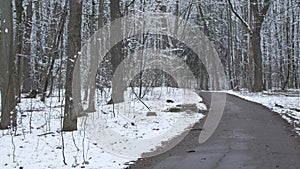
{"points": [[249, 136]]}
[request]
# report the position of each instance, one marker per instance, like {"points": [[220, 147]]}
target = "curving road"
{"points": [[249, 136]]}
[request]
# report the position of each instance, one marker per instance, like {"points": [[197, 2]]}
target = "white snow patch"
{"points": [[131, 132], [37, 143]]}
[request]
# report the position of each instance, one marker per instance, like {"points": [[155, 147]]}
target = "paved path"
{"points": [[249, 136]]}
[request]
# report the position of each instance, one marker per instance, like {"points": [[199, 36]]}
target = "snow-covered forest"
{"points": [[47, 51]]}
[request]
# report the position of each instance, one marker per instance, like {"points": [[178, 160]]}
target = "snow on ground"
{"points": [[38, 141], [136, 131], [286, 104]]}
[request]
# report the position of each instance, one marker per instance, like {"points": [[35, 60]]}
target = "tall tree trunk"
{"points": [[94, 62], [73, 47], [258, 19], [116, 53], [288, 52], [229, 50], [27, 80], [18, 42], [7, 67], [204, 78], [257, 58]]}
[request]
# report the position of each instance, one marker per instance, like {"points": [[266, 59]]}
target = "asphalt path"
{"points": [[249, 136]]}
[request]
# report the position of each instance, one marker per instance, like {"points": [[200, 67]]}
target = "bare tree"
{"points": [[257, 17], [58, 36]]}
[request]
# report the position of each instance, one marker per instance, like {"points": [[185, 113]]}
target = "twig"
{"points": [[83, 140], [45, 134], [30, 118], [13, 143], [63, 148], [62, 139], [74, 141], [39, 126], [114, 114], [141, 100]]}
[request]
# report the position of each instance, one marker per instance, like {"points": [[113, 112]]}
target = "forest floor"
{"points": [[102, 136]]}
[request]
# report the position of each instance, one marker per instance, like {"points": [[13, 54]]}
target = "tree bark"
{"points": [[27, 80], [94, 62], [258, 19], [73, 47], [257, 60], [7, 58], [19, 44], [116, 53]]}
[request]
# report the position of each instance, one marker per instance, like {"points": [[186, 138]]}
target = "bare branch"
{"points": [[245, 24], [140, 100]]}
